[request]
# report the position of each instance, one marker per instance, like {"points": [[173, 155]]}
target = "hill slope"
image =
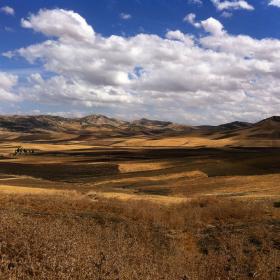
{"points": [[45, 127], [97, 126]]}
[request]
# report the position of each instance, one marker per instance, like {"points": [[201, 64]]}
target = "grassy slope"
{"points": [[68, 236], [168, 214]]}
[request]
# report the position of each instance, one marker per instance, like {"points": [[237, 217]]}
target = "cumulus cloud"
{"points": [[60, 23], [7, 82], [191, 19], [275, 3], [232, 5], [7, 10], [212, 78], [213, 26], [125, 16], [210, 25]]}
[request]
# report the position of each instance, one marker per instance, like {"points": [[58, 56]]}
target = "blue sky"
{"points": [[151, 16], [213, 58]]}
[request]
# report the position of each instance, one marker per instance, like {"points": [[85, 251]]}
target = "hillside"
{"points": [[267, 129], [93, 127]]}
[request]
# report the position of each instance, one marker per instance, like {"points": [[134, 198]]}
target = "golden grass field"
{"points": [[140, 211]]}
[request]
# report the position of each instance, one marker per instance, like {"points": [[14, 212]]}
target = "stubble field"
{"points": [[80, 212]]}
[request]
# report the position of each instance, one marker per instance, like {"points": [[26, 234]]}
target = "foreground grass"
{"points": [[67, 236]]}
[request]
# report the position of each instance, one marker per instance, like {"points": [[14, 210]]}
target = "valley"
{"points": [[95, 200]]}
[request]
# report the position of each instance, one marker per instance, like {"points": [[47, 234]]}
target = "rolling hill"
{"points": [[43, 127], [55, 128], [267, 129]]}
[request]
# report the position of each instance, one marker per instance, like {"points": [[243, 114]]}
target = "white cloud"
{"points": [[226, 14], [8, 29], [7, 82], [191, 18], [210, 25], [213, 26], [60, 23], [125, 16], [7, 10], [213, 78], [179, 36], [275, 3], [232, 5], [195, 2]]}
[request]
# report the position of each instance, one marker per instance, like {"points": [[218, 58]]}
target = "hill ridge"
{"points": [[101, 126]]}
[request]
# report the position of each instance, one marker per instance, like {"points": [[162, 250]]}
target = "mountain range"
{"points": [[46, 127]]}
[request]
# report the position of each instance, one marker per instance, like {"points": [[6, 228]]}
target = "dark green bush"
{"points": [[276, 204]]}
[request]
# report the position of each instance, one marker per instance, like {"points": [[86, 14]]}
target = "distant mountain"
{"points": [[97, 126], [155, 126], [268, 129], [271, 122], [100, 120], [234, 125], [153, 123], [102, 127], [30, 123], [224, 127]]}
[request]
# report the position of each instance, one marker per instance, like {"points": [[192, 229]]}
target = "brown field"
{"points": [[140, 211]]}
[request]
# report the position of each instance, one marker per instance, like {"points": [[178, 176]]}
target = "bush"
{"points": [[276, 204]]}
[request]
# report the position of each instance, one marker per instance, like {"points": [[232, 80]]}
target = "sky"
{"points": [[187, 61]]}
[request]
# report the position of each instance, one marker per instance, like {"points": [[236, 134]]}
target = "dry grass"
{"points": [[258, 186], [196, 174], [142, 166], [66, 236], [178, 141], [161, 199], [219, 227], [38, 191]]}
